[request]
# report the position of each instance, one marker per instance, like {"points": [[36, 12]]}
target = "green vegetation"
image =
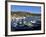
{"points": [[23, 14]]}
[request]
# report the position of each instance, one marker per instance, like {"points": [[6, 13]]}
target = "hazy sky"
{"points": [[32, 9]]}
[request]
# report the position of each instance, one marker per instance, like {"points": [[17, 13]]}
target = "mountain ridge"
{"points": [[20, 13]]}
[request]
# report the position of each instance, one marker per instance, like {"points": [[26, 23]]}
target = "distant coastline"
{"points": [[21, 14]]}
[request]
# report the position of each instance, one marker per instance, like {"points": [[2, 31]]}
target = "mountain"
{"points": [[21, 14]]}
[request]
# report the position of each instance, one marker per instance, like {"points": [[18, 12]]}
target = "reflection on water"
{"points": [[26, 23]]}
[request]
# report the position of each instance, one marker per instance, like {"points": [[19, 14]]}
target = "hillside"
{"points": [[21, 14]]}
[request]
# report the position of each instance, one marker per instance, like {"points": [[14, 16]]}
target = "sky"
{"points": [[30, 9]]}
